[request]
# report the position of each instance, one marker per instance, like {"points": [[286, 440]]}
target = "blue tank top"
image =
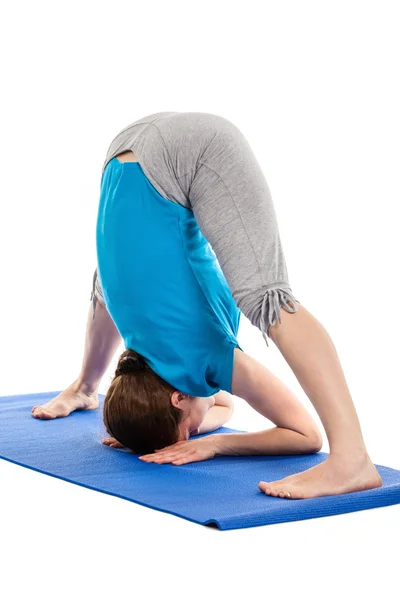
{"points": [[163, 285]]}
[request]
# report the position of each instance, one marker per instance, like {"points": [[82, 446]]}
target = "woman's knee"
{"points": [[273, 329], [263, 307]]}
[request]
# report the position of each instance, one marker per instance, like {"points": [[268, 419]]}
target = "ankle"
{"points": [[350, 454], [86, 387]]}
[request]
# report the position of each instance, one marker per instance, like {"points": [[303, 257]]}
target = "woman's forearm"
{"points": [[276, 440]]}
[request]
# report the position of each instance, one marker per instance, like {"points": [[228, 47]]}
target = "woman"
{"points": [[205, 181]]}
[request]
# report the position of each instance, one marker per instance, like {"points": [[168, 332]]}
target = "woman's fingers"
{"points": [[183, 457], [163, 453], [165, 457], [180, 453], [112, 442], [172, 446], [186, 458], [161, 458], [185, 461]]}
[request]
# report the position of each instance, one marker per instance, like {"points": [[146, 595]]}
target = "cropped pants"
{"points": [[233, 207]]}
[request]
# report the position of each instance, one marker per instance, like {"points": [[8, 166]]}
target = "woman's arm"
{"points": [[296, 432], [218, 415], [272, 441], [269, 396], [276, 440]]}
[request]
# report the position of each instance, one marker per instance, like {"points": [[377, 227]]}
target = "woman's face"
{"points": [[196, 408], [199, 407]]}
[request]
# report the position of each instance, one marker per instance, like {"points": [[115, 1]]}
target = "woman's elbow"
{"points": [[314, 441]]}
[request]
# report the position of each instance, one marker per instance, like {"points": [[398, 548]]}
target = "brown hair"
{"points": [[137, 409]]}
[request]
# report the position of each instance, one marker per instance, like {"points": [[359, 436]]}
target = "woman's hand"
{"points": [[185, 452], [112, 442]]}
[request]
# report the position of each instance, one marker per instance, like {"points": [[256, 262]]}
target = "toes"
{"points": [[284, 494], [270, 490], [264, 487], [279, 493], [42, 414]]}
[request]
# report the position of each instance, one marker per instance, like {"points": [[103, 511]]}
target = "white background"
{"points": [[314, 86]]}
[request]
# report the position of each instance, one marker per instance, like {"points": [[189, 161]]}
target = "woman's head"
{"points": [[144, 412]]}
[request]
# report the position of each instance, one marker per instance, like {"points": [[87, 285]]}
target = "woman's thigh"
{"points": [[233, 207]]}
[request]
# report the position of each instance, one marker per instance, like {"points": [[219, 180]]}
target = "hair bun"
{"points": [[128, 364]]}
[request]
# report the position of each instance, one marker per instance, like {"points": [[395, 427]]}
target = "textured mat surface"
{"points": [[222, 491]]}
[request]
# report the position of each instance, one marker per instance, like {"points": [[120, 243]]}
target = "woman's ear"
{"points": [[179, 399]]}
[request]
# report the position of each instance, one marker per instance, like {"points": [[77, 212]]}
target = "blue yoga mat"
{"points": [[222, 491]]}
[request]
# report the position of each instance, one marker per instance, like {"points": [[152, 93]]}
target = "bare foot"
{"points": [[113, 443], [73, 398], [336, 475]]}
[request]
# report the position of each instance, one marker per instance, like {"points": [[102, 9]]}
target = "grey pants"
{"points": [[97, 293], [204, 162]]}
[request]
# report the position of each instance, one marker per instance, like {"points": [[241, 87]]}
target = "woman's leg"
{"points": [[232, 204], [233, 207], [311, 354], [101, 343]]}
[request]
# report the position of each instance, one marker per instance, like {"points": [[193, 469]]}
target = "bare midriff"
{"points": [[127, 156]]}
